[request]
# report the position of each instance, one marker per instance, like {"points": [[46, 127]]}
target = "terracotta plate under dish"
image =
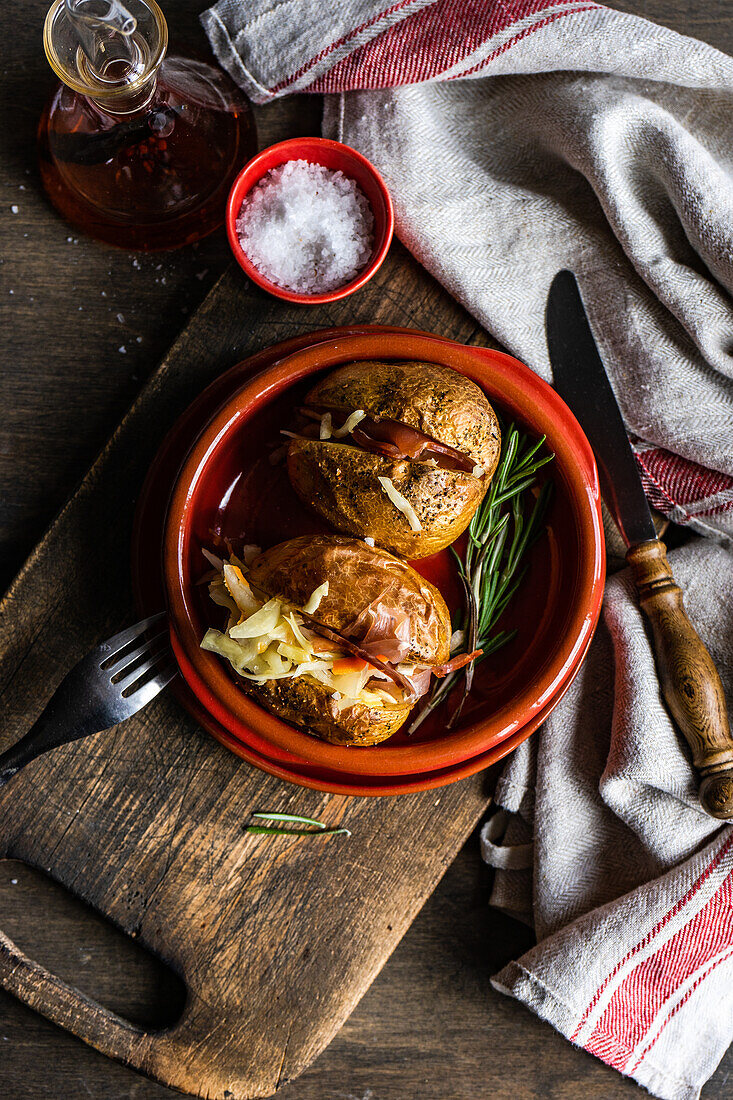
{"points": [[228, 485]]}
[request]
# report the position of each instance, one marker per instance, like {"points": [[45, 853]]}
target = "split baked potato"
{"points": [[351, 668], [404, 455]]}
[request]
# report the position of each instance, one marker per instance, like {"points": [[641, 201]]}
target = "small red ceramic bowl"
{"points": [[227, 485], [336, 157]]}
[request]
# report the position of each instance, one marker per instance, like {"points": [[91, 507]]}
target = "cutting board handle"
{"points": [[66, 1006], [690, 682]]}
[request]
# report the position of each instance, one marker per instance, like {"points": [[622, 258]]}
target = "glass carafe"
{"points": [[136, 148]]}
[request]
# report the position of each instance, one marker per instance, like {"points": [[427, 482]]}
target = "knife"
{"points": [[690, 682]]}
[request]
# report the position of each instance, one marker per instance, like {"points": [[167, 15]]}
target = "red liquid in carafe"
{"points": [[155, 179]]}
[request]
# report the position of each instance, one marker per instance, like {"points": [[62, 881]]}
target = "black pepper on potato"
{"points": [[405, 455]]}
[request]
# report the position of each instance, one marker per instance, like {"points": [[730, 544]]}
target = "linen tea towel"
{"points": [[518, 138], [608, 855]]}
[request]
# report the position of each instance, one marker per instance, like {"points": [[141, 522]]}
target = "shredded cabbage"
{"points": [[349, 424], [261, 677], [220, 595], [327, 430], [352, 683], [299, 635], [268, 640], [369, 698], [400, 503], [216, 642], [293, 653], [212, 559], [239, 589], [263, 621], [314, 600]]}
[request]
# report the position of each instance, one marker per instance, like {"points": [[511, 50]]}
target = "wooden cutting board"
{"points": [[276, 939]]}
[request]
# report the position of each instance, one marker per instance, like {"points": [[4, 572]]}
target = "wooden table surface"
{"points": [[81, 327]]}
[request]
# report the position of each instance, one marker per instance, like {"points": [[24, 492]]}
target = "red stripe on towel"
{"points": [[674, 482], [518, 38], [340, 42], [425, 44], [701, 879], [644, 991], [679, 1005]]}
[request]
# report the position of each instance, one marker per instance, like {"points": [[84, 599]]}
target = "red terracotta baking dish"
{"points": [[228, 485], [321, 779], [336, 157]]}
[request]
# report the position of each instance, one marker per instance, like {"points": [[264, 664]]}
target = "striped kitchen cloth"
{"points": [[602, 847], [519, 137]]}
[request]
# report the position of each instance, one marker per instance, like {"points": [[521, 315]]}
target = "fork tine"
{"points": [[119, 641], [120, 665], [147, 691], [138, 673]]}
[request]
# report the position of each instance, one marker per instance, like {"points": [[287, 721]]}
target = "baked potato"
{"points": [[331, 634], [403, 453]]}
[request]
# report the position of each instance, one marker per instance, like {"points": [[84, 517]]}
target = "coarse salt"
{"points": [[307, 228]]}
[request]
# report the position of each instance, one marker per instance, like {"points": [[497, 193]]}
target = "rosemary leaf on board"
{"points": [[293, 819]]}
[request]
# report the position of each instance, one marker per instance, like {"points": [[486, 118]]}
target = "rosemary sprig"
{"points": [[494, 563], [295, 819]]}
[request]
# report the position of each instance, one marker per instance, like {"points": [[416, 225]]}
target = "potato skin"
{"points": [[307, 703], [432, 398], [339, 481], [340, 484], [358, 575]]}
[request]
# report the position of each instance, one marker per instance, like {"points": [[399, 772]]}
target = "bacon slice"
{"points": [[397, 440], [381, 631], [376, 662], [455, 663]]}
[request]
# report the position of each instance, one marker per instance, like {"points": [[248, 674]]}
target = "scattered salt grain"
{"points": [[121, 318], [306, 228], [122, 350], [13, 209]]}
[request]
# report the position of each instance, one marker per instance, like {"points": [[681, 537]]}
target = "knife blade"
{"points": [[581, 380], [690, 682]]}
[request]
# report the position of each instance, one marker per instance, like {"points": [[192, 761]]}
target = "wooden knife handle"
{"points": [[690, 681]]}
